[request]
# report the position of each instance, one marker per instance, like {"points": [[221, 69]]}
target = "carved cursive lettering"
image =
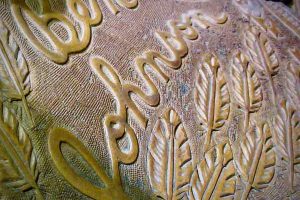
{"points": [[116, 125], [77, 39]]}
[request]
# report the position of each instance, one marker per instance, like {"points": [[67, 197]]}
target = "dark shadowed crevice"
{"points": [[286, 2]]}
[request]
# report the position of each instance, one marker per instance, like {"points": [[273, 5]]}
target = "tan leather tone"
{"points": [[149, 99]]}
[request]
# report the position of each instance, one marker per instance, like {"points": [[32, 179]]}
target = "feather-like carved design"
{"points": [[261, 52], [293, 77], [253, 10], [15, 82], [169, 158], [256, 159], [214, 176], [284, 15], [262, 55], [246, 86], [287, 136], [211, 97], [18, 161], [293, 83], [295, 54]]}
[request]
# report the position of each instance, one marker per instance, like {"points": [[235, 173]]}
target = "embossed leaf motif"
{"points": [[169, 158], [214, 176], [211, 97], [18, 162], [247, 88], [256, 160], [15, 82], [261, 52], [287, 136]]}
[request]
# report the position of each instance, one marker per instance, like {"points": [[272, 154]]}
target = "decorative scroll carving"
{"points": [[76, 40], [263, 56], [255, 12], [287, 135], [15, 82], [169, 158], [246, 86], [256, 159], [18, 162], [111, 190], [214, 176], [116, 125], [211, 98]]}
